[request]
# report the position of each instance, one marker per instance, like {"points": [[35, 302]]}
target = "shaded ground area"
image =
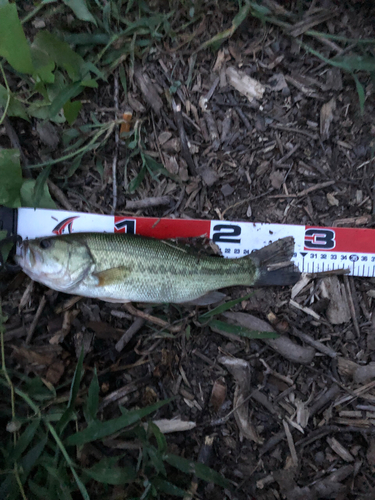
{"points": [[292, 420]]}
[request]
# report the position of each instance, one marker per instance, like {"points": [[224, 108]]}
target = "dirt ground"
{"points": [[307, 427]]}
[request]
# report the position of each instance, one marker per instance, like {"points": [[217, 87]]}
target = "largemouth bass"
{"points": [[124, 268]]}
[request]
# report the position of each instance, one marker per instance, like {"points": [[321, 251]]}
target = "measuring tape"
{"points": [[317, 249]]}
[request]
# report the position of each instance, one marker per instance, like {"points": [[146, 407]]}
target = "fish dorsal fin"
{"points": [[111, 276], [197, 246]]}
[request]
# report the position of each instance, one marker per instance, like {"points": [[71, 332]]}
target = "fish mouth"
{"points": [[26, 257]]}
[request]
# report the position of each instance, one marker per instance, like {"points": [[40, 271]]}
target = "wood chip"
{"points": [[338, 311], [340, 449], [247, 86]]}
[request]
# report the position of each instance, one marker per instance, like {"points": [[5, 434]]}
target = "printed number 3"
{"points": [[320, 239]]}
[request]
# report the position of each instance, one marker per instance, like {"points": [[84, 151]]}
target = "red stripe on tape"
{"points": [[162, 228]]}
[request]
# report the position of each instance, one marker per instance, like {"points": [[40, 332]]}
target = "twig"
{"points": [[184, 142], [148, 202], [247, 200], [305, 192], [326, 398], [59, 195], [319, 346], [290, 441], [38, 313], [115, 155], [239, 111], [131, 331], [152, 319], [351, 305]]}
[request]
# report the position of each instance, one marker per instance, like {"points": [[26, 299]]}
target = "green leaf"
{"points": [[28, 195], [5, 249], [241, 330], [11, 178], [168, 488], [92, 402], [40, 186], [99, 430], [13, 43], [43, 64], [155, 167], [60, 52], [80, 9], [71, 111], [106, 472], [63, 97], [15, 108], [202, 471], [136, 182]]}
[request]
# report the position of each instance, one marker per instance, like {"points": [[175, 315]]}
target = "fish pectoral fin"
{"points": [[111, 276]]}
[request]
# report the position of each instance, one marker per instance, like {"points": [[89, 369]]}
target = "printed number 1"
{"points": [[225, 233], [125, 226]]}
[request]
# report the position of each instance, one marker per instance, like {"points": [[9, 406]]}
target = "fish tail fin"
{"points": [[274, 264]]}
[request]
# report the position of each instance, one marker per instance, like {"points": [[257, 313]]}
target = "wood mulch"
{"points": [[289, 419]]}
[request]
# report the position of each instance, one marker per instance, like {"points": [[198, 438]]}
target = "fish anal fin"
{"points": [[111, 276], [113, 300]]}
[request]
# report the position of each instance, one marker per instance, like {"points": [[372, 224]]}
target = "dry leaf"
{"points": [[218, 394]]}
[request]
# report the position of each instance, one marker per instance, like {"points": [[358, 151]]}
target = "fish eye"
{"points": [[44, 244]]}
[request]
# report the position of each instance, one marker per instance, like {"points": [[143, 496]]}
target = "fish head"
{"points": [[60, 262]]}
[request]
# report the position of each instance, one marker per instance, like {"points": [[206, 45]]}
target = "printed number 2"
{"points": [[323, 239], [225, 233]]}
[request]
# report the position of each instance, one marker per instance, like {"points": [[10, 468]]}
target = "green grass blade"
{"points": [[241, 330], [224, 307], [62, 448], [24, 440], [92, 402], [360, 92], [107, 472], [80, 9], [31, 457], [99, 430], [73, 394], [168, 488], [218, 39], [159, 436], [202, 471]]}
